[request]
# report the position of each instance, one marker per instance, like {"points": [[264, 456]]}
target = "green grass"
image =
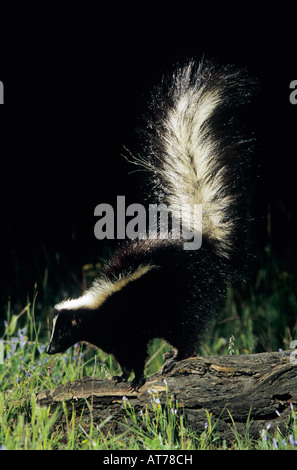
{"points": [[256, 318]]}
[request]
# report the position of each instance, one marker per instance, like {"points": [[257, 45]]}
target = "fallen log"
{"points": [[250, 390]]}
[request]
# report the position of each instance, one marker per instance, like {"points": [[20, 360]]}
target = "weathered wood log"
{"points": [[257, 389]]}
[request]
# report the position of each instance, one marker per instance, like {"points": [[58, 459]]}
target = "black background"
{"points": [[76, 83]]}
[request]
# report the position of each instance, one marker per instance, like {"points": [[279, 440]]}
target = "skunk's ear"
{"points": [[76, 320]]}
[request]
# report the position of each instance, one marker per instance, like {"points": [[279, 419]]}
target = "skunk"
{"points": [[194, 152]]}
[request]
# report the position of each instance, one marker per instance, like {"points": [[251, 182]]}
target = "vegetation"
{"points": [[259, 316]]}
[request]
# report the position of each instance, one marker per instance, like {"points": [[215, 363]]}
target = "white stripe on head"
{"points": [[53, 327]]}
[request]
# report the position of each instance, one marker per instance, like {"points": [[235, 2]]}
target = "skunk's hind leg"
{"points": [[180, 354], [126, 371]]}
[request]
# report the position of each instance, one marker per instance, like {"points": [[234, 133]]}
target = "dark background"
{"points": [[75, 87]]}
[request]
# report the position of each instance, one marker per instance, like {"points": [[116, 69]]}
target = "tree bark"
{"points": [[242, 392]]}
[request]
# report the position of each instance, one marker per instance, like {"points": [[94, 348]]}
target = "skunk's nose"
{"points": [[49, 349]]}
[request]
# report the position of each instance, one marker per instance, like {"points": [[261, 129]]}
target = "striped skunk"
{"points": [[194, 151]]}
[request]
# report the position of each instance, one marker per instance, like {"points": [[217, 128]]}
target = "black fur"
{"points": [[183, 291], [175, 300]]}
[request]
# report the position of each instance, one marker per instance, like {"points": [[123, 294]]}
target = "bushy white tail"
{"points": [[194, 149]]}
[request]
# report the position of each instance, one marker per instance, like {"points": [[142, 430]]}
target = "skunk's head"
{"points": [[65, 331], [77, 320]]}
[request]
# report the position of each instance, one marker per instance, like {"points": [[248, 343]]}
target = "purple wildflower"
{"points": [[292, 440], [264, 435], [42, 349]]}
